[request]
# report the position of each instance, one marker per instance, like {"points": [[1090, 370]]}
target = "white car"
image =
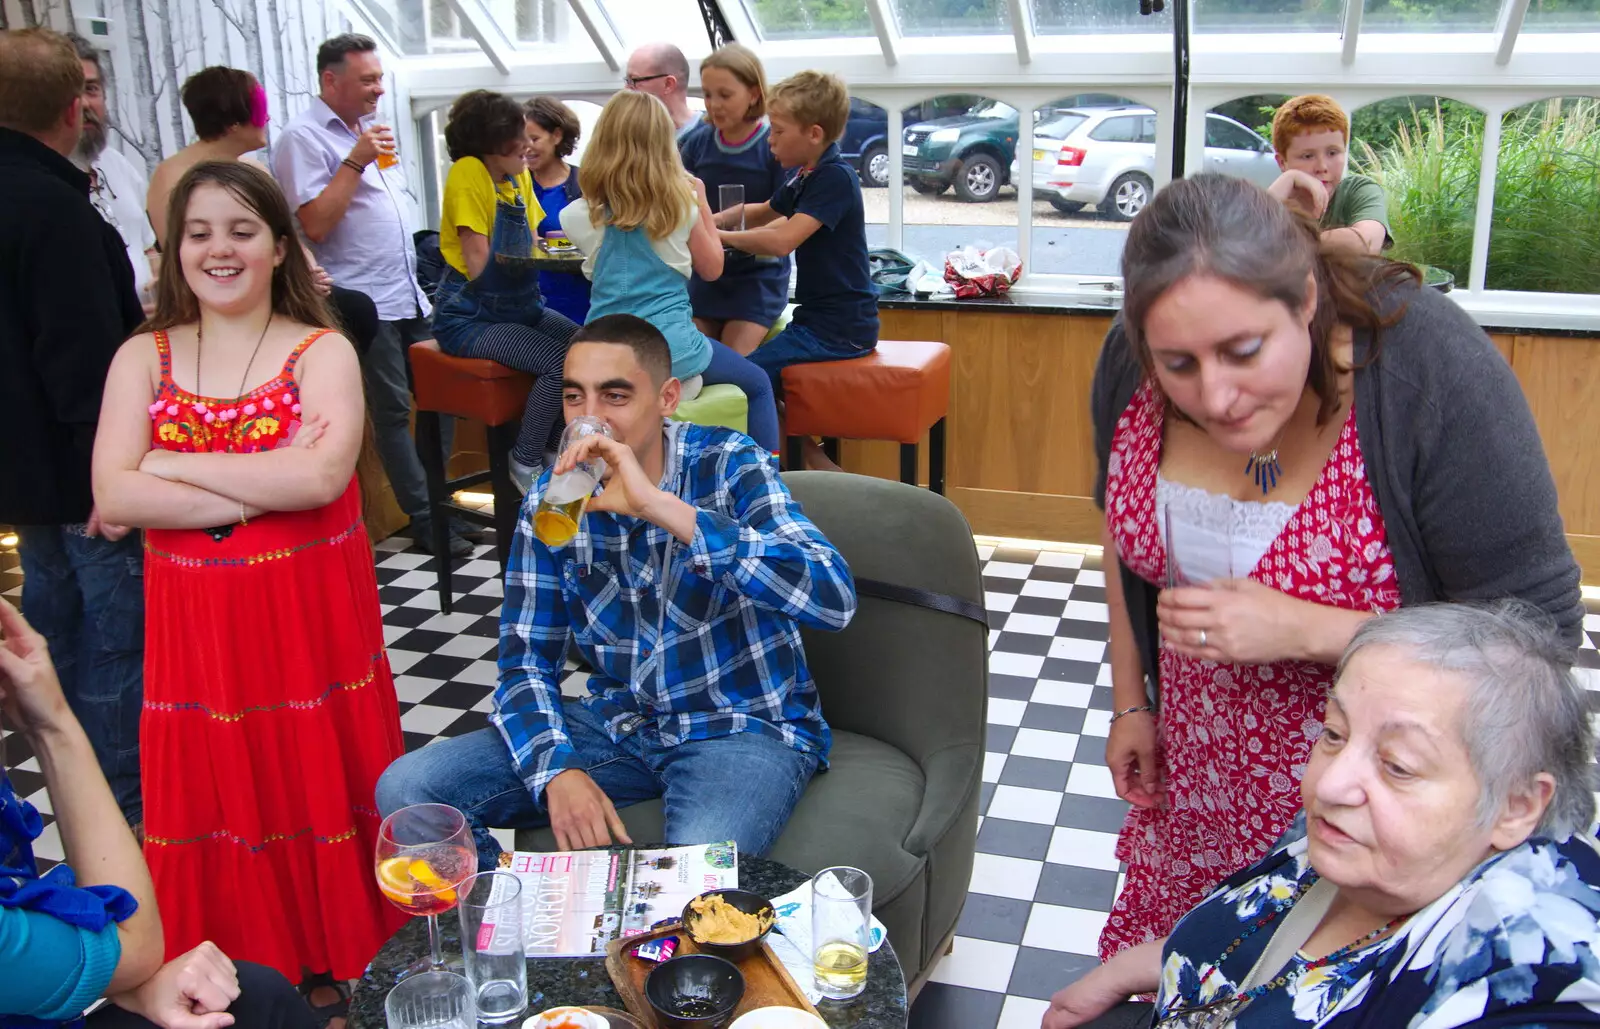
{"points": [[1106, 156]]}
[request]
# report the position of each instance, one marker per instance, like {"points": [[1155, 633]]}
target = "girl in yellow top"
{"points": [[491, 308]]}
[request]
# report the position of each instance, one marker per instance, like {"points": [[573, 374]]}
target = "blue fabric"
{"points": [[741, 787], [631, 278], [85, 596], [505, 292], [565, 292], [799, 345], [727, 660], [1516, 943], [752, 289], [834, 285], [762, 409], [55, 893]]}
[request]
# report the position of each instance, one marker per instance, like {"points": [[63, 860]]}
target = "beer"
{"points": [[841, 968], [387, 159], [560, 510]]}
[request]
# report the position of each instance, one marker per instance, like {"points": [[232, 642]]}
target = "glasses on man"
{"points": [[635, 81]]}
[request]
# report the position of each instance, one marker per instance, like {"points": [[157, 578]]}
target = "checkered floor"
{"points": [[1045, 873]]}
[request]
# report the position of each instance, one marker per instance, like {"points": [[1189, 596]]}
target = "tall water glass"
{"points": [[491, 943], [431, 1000], [841, 927], [729, 196], [560, 510]]}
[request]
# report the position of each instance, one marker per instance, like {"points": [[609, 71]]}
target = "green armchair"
{"points": [[905, 690]]}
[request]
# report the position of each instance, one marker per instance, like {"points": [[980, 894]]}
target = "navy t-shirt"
{"points": [[832, 288]]}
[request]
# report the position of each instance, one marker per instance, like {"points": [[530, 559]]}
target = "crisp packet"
{"points": [[657, 950]]}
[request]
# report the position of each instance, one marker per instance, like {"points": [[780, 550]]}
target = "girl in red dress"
{"points": [[230, 432]]}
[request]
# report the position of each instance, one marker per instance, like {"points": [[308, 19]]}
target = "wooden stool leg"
{"points": [[908, 463], [507, 501], [936, 457], [431, 449]]}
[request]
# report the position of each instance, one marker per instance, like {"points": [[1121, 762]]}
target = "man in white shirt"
{"points": [[336, 165], [116, 187], [661, 70]]}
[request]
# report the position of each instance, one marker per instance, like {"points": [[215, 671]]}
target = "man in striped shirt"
{"points": [[685, 589]]}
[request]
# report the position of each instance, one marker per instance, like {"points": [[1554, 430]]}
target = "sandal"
{"points": [[325, 1013]]}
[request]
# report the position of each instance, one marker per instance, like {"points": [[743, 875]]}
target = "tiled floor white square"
{"points": [[1001, 876], [1086, 611], [993, 765], [473, 647], [1096, 723], [1045, 745], [1077, 650], [1022, 1013], [1020, 804], [1025, 665], [1047, 589], [1072, 930], [429, 719], [1007, 570], [1006, 712], [480, 673], [1091, 781], [413, 690], [1062, 693], [977, 965], [400, 660], [456, 622], [1002, 602], [1035, 625], [1060, 559], [1084, 848]]}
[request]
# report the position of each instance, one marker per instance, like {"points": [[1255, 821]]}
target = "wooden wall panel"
{"points": [[1561, 377]]}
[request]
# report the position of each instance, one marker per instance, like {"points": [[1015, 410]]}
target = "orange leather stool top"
{"points": [[896, 393], [484, 391]]}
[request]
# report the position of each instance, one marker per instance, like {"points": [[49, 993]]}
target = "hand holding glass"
{"points": [[729, 197], [425, 852], [560, 510]]}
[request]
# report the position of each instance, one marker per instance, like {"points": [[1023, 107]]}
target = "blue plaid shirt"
{"points": [[696, 640]]}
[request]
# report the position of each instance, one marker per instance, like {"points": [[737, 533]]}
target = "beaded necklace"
{"points": [[1220, 1013]]}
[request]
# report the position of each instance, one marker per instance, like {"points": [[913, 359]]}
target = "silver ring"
{"points": [[1202, 637]]}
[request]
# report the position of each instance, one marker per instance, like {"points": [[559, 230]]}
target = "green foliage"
{"points": [[801, 19]]}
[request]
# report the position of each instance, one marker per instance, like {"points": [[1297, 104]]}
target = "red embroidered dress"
{"points": [[269, 710], [1234, 739]]}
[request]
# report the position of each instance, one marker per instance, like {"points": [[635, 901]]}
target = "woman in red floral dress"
{"points": [[1281, 409], [230, 433]]}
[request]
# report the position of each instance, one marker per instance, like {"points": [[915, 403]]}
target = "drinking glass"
{"points": [[560, 510], [425, 852], [387, 158], [1186, 560], [841, 926], [431, 1000], [729, 196], [491, 944]]}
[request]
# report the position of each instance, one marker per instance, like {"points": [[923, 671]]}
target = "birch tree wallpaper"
{"points": [[157, 44]]}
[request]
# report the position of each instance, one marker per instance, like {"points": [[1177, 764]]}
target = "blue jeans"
{"points": [[85, 596], [741, 787], [727, 366], [799, 345]]}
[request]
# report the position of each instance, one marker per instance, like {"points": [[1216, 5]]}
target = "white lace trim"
{"points": [[1218, 537]]}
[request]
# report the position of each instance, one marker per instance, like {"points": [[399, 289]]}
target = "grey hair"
{"points": [[87, 51], [1525, 711]]}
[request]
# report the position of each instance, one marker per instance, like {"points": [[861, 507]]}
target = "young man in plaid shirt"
{"points": [[685, 589]]}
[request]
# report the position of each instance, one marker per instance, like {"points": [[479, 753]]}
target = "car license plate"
{"points": [[908, 150], [1038, 155]]}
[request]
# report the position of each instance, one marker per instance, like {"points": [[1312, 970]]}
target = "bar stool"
{"points": [[897, 392], [484, 391]]}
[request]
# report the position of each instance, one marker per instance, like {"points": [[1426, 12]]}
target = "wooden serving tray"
{"points": [[767, 983]]}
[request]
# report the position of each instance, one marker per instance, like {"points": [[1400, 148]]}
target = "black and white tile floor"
{"points": [[1045, 873]]}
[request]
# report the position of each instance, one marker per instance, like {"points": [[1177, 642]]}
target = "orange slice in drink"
{"points": [[423, 873], [394, 879]]}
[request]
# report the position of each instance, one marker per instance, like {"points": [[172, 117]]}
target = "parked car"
{"points": [[865, 142], [1106, 156], [971, 151]]}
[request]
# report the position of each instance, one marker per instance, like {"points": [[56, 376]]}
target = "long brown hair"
{"points": [[1232, 230], [294, 291]]}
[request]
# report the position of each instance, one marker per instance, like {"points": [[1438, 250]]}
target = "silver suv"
{"points": [[1106, 156]]}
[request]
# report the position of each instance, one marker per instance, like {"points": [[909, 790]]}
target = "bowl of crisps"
{"points": [[729, 923]]}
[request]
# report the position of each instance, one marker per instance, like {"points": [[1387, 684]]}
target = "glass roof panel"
{"points": [[809, 19], [1268, 15], [1072, 17], [637, 22], [1562, 16], [433, 27], [952, 17], [1430, 15]]}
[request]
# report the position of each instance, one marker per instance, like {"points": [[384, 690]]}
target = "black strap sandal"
{"points": [[325, 1013]]}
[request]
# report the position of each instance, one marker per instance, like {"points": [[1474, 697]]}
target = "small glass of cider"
{"points": [[560, 510], [841, 926]]}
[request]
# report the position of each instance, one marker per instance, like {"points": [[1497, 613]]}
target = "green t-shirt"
{"points": [[1357, 199]]}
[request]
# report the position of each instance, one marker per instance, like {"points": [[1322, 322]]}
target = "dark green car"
{"points": [[970, 151]]}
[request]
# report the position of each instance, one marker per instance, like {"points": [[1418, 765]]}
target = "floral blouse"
{"points": [[1515, 943]]}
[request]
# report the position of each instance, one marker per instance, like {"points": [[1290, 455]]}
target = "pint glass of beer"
{"points": [[560, 510]]}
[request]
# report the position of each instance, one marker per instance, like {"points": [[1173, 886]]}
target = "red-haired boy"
{"points": [[1311, 135]]}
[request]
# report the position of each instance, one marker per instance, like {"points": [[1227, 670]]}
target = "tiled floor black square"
{"points": [[1046, 573], [1055, 717], [1023, 643], [1101, 814], [1014, 839], [940, 1006], [1010, 687], [1046, 606], [1001, 919], [998, 738], [1091, 749], [438, 666], [1035, 773], [1074, 887], [1039, 973], [1062, 670]]}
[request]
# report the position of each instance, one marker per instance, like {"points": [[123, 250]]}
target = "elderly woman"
{"points": [[1314, 438], [1441, 874]]}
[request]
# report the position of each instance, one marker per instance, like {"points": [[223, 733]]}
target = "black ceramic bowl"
{"points": [[698, 991], [744, 900]]}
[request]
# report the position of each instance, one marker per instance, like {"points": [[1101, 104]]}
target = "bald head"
{"points": [[659, 68]]}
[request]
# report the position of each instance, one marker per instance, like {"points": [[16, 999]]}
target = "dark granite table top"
{"points": [[553, 982]]}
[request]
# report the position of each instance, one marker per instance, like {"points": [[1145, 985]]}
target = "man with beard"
{"points": [[116, 187]]}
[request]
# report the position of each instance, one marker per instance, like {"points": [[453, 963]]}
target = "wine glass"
{"points": [[425, 852]]}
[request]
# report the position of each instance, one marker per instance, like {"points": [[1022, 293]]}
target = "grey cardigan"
{"points": [[1452, 455]]}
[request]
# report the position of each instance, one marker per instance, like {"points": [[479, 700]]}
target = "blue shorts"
{"points": [[799, 345]]}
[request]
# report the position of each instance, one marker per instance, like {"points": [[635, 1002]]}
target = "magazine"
{"points": [[575, 903]]}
